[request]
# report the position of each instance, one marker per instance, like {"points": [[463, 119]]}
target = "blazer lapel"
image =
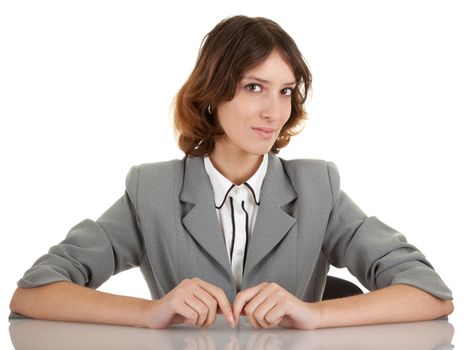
{"points": [[272, 222], [202, 221]]}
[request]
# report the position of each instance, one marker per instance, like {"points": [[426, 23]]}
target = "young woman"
{"points": [[232, 228]]}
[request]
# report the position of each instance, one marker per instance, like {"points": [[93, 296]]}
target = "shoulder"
{"points": [[313, 172], [310, 166], [304, 164], [149, 175]]}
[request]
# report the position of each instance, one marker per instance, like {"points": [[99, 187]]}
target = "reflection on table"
{"points": [[38, 334]]}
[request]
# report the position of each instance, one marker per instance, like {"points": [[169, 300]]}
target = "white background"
{"points": [[86, 89]]}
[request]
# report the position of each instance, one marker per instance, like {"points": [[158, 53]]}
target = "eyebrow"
{"points": [[264, 81]]}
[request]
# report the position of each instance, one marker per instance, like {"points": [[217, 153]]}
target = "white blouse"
{"points": [[237, 207]]}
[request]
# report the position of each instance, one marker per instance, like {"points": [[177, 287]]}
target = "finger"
{"points": [[260, 313], [258, 307], [199, 307], [284, 313], [221, 299], [260, 304], [276, 314], [189, 315], [210, 302], [243, 297]]}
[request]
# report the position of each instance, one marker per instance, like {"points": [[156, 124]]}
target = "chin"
{"points": [[259, 152], [257, 149]]}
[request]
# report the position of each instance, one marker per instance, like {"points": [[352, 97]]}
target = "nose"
{"points": [[270, 108]]}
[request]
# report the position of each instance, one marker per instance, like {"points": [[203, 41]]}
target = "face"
{"points": [[253, 119]]}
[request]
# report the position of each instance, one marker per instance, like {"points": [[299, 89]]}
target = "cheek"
{"points": [[286, 107], [286, 115], [232, 127], [233, 116], [231, 123]]}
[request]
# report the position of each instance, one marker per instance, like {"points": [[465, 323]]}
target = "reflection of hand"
{"points": [[38, 334], [193, 301], [233, 343], [262, 341], [205, 341], [268, 304], [201, 341]]}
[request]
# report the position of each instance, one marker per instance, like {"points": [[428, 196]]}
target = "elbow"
{"points": [[448, 307], [15, 301], [21, 301], [442, 308]]}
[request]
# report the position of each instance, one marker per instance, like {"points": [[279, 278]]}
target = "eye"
{"points": [[287, 91], [254, 87]]}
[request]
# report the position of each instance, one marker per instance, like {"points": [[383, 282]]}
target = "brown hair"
{"points": [[236, 45]]}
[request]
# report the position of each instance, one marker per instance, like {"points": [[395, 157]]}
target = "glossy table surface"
{"points": [[38, 334]]}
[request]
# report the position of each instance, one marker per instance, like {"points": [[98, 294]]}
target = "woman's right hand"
{"points": [[192, 301]]}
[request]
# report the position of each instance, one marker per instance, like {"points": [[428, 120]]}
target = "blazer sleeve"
{"points": [[376, 254], [94, 250]]}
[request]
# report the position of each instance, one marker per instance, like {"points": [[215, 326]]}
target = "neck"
{"points": [[236, 167]]}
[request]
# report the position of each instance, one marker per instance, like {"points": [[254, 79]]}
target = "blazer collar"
{"points": [[272, 222], [197, 186]]}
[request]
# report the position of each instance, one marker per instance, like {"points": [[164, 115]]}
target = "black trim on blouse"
{"points": [[233, 221], [247, 236], [233, 231], [252, 191], [224, 198]]}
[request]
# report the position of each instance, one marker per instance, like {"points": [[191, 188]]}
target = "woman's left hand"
{"points": [[268, 304]]}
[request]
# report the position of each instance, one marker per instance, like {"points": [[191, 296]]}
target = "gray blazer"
{"points": [[166, 224]]}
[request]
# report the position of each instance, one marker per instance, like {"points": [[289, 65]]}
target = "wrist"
{"points": [[145, 314], [317, 312]]}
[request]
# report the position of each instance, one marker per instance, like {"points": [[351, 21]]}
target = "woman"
{"points": [[232, 228]]}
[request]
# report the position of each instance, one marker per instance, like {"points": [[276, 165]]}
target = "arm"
{"points": [[64, 280], [396, 303], [268, 304], [405, 286], [61, 284], [65, 301], [378, 255], [195, 302]]}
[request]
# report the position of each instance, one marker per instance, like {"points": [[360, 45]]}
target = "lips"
{"points": [[264, 132]]}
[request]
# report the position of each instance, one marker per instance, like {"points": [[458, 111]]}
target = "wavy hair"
{"points": [[236, 45]]}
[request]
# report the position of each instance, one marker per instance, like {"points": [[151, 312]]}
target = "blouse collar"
{"points": [[222, 186]]}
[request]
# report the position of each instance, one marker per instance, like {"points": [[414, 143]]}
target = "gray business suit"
{"points": [[166, 223]]}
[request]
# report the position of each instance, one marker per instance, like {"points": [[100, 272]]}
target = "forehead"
{"points": [[273, 68]]}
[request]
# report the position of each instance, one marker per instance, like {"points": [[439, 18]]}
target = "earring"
{"points": [[198, 144], [209, 109]]}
